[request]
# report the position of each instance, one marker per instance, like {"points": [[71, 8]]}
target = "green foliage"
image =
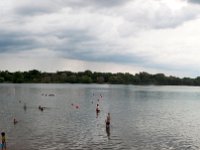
{"points": [[85, 79], [18, 77], [1, 80], [142, 78], [197, 81]]}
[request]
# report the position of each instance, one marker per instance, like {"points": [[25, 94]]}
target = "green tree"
{"points": [[18, 77], [86, 79], [2, 79]]}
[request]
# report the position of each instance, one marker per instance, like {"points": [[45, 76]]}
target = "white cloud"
{"points": [[176, 48], [158, 14]]}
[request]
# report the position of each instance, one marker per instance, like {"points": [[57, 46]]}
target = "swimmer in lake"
{"points": [[41, 108]]}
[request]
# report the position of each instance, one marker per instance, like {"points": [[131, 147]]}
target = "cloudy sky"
{"points": [[156, 36]]}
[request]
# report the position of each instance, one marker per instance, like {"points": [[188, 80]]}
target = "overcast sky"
{"points": [[156, 36]]}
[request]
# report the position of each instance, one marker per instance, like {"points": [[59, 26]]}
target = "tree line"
{"points": [[142, 78]]}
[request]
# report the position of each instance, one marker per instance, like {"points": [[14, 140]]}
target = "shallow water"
{"points": [[142, 117]]}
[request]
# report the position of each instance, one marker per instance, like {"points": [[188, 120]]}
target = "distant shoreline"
{"points": [[89, 77]]}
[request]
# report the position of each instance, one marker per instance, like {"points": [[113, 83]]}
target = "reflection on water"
{"points": [[108, 132], [143, 117]]}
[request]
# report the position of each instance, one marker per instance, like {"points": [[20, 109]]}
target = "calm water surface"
{"points": [[142, 117]]}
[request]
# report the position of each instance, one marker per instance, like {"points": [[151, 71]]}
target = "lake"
{"points": [[142, 117]]}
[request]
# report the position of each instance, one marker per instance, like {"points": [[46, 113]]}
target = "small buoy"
{"points": [[77, 107]]}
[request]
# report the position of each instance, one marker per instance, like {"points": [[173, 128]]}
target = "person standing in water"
{"points": [[97, 109], [25, 107], [15, 121], [108, 121], [3, 140]]}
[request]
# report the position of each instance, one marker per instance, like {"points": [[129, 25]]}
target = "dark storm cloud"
{"points": [[76, 44], [15, 41], [104, 57], [33, 10], [79, 44], [97, 3], [74, 36], [194, 1], [45, 6]]}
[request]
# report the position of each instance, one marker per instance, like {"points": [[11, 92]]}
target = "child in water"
{"points": [[3, 139], [108, 121], [97, 108]]}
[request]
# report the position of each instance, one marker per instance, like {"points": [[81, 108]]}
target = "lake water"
{"points": [[142, 117]]}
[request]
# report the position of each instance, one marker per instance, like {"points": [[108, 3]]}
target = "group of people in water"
{"points": [[107, 121], [15, 121]]}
